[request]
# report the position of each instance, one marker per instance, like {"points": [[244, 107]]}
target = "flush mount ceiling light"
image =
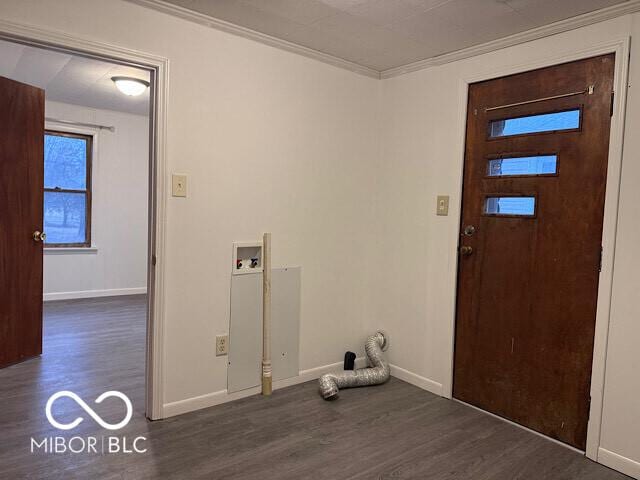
{"points": [[130, 86]]}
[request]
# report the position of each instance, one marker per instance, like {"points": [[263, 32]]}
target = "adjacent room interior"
{"points": [[319, 239], [92, 329]]}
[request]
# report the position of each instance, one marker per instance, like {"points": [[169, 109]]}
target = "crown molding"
{"points": [[572, 23], [244, 32]]}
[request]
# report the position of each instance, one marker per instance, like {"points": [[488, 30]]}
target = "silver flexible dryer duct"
{"points": [[377, 373]]}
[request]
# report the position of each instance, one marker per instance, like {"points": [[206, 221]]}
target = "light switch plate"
{"points": [[179, 185], [222, 345], [442, 205]]}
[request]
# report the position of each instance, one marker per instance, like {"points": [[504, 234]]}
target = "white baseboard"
{"points": [[618, 462], [94, 293], [205, 401], [415, 379], [222, 396]]}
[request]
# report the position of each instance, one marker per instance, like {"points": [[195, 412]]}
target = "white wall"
{"points": [[120, 177], [270, 141], [415, 284]]}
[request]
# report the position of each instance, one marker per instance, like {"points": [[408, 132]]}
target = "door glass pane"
{"points": [[65, 217], [538, 165], [545, 122], [520, 206], [65, 162]]}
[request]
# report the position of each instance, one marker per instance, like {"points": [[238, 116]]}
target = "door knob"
{"points": [[39, 236], [469, 230], [466, 250]]}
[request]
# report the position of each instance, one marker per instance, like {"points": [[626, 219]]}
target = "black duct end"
{"points": [[349, 361]]}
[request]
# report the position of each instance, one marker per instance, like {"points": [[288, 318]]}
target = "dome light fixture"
{"points": [[130, 86]]}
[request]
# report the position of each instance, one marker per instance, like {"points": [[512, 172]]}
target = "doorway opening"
{"points": [[537, 147], [91, 205]]}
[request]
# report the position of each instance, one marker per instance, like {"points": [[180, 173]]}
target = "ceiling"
{"points": [[71, 78], [383, 34]]}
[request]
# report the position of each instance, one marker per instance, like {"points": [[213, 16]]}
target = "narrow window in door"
{"points": [[522, 166], [540, 123], [510, 206]]}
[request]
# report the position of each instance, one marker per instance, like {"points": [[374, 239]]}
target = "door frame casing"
{"points": [[621, 47], [159, 69]]}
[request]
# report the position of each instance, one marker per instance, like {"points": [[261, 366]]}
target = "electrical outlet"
{"points": [[222, 345]]}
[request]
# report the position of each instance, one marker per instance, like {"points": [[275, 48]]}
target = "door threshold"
{"points": [[558, 442]]}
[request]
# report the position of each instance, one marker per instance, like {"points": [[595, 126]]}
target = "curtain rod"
{"points": [[588, 90], [111, 128]]}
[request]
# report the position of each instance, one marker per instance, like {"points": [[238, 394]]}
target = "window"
{"points": [[545, 122], [513, 206], [67, 189], [522, 166]]}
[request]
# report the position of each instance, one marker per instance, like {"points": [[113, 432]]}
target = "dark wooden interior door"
{"points": [[21, 192], [530, 247]]}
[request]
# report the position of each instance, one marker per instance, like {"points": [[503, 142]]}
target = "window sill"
{"points": [[71, 250]]}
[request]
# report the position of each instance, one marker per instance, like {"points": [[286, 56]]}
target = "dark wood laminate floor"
{"points": [[392, 431]]}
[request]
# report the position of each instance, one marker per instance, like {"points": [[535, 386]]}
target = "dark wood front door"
{"points": [[21, 192], [530, 245]]}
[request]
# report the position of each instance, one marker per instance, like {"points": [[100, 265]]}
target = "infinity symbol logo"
{"points": [[89, 410]]}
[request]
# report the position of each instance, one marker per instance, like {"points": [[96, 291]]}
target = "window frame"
{"points": [[87, 191]]}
